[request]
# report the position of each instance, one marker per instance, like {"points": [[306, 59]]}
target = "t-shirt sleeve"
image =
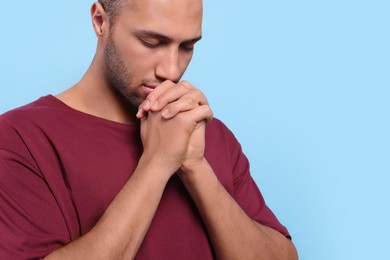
{"points": [[248, 195], [31, 223], [245, 191]]}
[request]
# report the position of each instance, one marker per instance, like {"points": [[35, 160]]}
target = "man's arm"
{"points": [[123, 226], [233, 234]]}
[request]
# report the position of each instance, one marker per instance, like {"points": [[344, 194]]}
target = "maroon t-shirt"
{"points": [[61, 168]]}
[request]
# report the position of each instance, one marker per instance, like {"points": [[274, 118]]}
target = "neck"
{"points": [[94, 96]]}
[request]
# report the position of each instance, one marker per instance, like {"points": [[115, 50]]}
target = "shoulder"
{"points": [[18, 123], [26, 112]]}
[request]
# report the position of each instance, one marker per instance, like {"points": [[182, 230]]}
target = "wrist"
{"points": [[193, 166], [198, 176], [157, 168], [193, 171]]}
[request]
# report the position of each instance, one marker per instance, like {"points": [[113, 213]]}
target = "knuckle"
{"points": [[200, 96], [162, 99], [166, 84], [208, 112], [197, 93], [186, 84], [172, 108], [190, 100]]}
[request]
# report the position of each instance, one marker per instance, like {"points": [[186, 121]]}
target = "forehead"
{"points": [[170, 17]]}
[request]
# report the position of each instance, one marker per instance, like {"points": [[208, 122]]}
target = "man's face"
{"points": [[152, 41]]}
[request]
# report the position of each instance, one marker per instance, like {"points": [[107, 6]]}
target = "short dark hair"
{"points": [[113, 9]]}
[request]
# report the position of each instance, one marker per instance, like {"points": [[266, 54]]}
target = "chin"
{"points": [[134, 100]]}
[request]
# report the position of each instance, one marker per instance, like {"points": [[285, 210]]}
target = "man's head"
{"points": [[145, 42]]}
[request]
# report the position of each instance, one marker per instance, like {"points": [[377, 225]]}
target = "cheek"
{"points": [[139, 61], [130, 49]]}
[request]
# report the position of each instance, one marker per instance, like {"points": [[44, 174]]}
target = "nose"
{"points": [[169, 66]]}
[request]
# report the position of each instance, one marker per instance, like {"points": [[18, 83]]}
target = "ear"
{"points": [[100, 19]]}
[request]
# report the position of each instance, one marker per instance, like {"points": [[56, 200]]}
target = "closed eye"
{"points": [[187, 48], [189, 45], [150, 44]]}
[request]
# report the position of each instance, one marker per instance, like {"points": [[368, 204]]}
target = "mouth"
{"points": [[148, 89]]}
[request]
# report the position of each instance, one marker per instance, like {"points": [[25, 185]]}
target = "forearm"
{"points": [[233, 234], [122, 228]]}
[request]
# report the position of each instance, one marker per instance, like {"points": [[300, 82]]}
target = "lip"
{"points": [[148, 89]]}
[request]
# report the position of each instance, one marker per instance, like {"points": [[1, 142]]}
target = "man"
{"points": [[122, 165]]}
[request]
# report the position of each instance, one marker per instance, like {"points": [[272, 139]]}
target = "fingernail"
{"points": [[165, 113], [147, 104], [138, 115]]}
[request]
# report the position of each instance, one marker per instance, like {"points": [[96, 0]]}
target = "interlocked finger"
{"points": [[172, 99]]}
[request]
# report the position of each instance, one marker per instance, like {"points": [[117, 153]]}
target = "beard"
{"points": [[118, 75]]}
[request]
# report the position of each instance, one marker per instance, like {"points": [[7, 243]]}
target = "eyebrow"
{"points": [[165, 38]]}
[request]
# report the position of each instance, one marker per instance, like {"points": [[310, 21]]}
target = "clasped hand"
{"points": [[173, 119]]}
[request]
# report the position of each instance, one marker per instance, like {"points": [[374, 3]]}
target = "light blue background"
{"points": [[304, 85]]}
